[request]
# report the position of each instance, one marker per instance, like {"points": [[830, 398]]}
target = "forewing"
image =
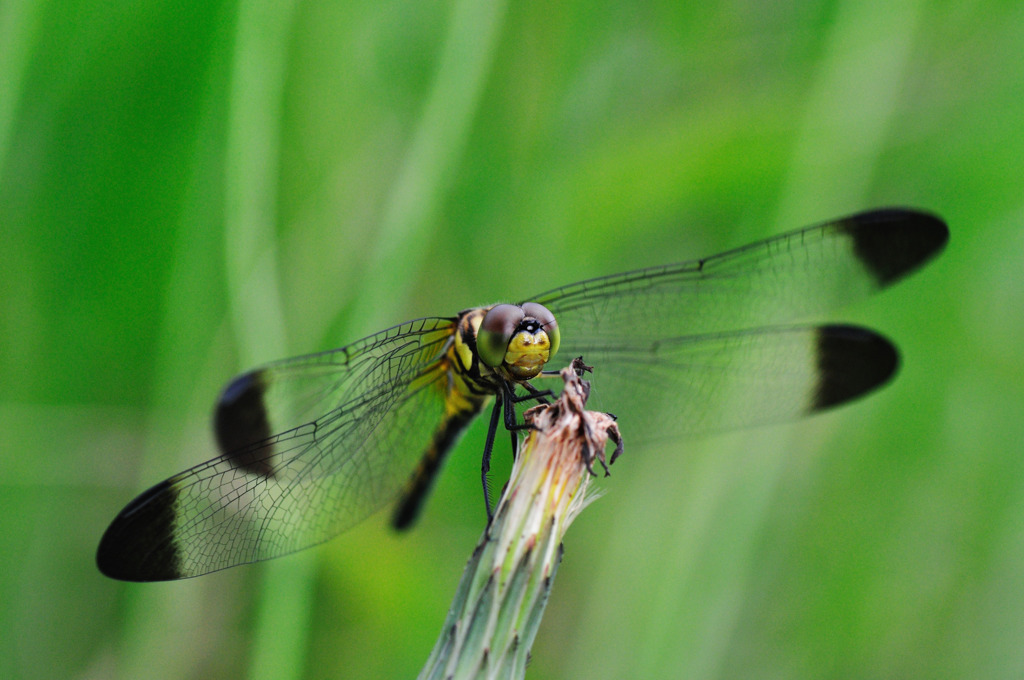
{"points": [[673, 336], [312, 445]]}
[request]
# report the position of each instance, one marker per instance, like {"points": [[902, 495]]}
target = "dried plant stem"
{"points": [[501, 598]]}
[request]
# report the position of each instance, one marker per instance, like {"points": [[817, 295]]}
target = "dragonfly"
{"points": [[312, 445]]}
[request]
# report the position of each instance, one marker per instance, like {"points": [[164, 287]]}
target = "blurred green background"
{"points": [[189, 189]]}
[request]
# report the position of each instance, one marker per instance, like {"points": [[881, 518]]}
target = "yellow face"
{"points": [[518, 339], [527, 353]]}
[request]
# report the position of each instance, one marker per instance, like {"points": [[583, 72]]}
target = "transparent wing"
{"points": [[725, 381], [351, 425], [692, 338]]}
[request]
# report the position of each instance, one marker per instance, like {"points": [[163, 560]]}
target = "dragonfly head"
{"points": [[518, 338]]}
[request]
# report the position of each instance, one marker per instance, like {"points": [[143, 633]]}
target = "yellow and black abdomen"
{"points": [[469, 387]]}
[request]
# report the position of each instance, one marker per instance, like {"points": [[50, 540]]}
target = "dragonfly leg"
{"points": [[504, 401], [485, 466], [541, 396], [577, 364], [515, 444], [510, 399]]}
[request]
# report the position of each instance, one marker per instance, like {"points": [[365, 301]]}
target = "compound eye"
{"points": [[496, 331], [547, 322]]}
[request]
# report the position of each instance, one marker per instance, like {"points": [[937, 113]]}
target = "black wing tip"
{"points": [[240, 421], [852, 361], [138, 545], [893, 242]]}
